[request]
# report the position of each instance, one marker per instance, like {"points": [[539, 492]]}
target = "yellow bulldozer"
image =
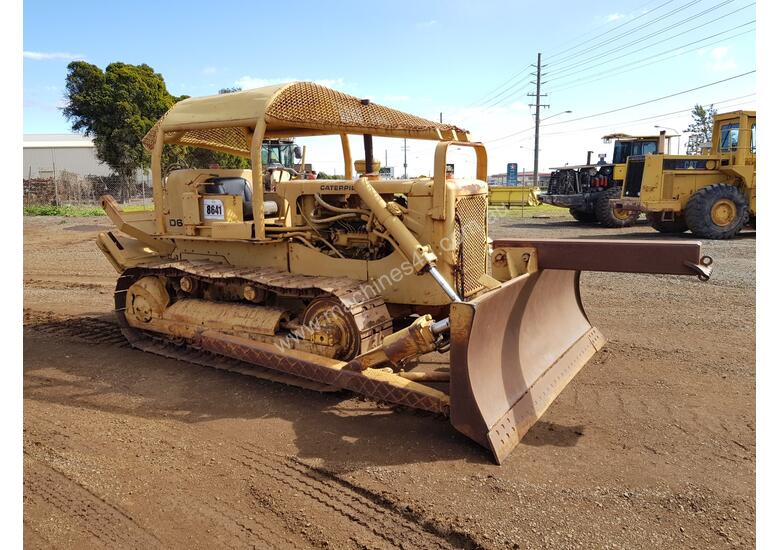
{"points": [[713, 194], [353, 284]]}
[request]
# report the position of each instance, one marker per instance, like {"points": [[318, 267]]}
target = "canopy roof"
{"points": [[225, 122]]}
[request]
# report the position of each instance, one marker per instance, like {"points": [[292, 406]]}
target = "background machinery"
{"points": [[713, 194], [587, 189], [350, 284]]}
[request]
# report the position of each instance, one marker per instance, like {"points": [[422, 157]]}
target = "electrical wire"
{"points": [[652, 117], [511, 78], [599, 77], [600, 60], [646, 25], [655, 100], [626, 107], [632, 20]]}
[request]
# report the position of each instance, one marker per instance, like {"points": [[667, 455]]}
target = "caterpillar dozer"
{"points": [[347, 284], [586, 189], [713, 194]]}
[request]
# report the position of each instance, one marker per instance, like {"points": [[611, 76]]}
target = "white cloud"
{"points": [[718, 59], [614, 17], [248, 82], [426, 24], [46, 56], [208, 70]]}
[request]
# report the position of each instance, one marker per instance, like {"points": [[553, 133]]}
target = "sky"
{"points": [[611, 63]]}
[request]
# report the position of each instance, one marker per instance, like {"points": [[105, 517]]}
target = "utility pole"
{"points": [[440, 117], [405, 148], [538, 95]]}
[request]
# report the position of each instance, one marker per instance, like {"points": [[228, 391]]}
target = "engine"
{"points": [[583, 180]]}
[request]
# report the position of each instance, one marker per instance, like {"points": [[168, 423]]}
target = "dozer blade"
{"points": [[513, 351]]}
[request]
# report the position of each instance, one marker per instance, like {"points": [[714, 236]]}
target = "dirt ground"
{"points": [[652, 445]]}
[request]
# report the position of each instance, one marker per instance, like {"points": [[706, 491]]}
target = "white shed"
{"points": [[47, 154]]}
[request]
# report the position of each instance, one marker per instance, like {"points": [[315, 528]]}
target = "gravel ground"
{"points": [[652, 444]]}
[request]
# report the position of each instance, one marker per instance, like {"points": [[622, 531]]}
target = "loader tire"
{"points": [[582, 216], [677, 225], [609, 216], [718, 211]]}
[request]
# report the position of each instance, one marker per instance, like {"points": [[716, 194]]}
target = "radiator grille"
{"points": [[470, 243], [634, 173]]}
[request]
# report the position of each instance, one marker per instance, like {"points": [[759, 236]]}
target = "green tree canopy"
{"points": [[700, 129], [116, 108]]}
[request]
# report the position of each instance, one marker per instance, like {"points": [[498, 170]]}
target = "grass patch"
{"points": [[528, 211], [138, 208], [66, 210]]}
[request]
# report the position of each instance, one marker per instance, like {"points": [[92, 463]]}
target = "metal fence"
{"points": [[75, 189]]}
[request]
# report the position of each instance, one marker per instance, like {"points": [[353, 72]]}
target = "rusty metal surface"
{"points": [[377, 385], [625, 256], [514, 349], [368, 311], [268, 361], [160, 346]]}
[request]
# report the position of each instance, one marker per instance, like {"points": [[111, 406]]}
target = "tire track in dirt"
{"points": [[32, 538], [231, 526], [101, 521], [292, 504], [64, 285], [106, 331], [88, 329], [375, 514]]}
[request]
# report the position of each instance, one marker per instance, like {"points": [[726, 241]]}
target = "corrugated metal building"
{"points": [[45, 154]]}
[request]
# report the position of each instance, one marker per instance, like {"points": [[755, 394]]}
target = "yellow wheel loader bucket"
{"points": [[513, 351]]}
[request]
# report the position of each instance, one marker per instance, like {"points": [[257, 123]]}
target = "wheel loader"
{"points": [[586, 190], [353, 284], [713, 194]]}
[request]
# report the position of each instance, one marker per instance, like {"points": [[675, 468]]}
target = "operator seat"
{"points": [[232, 185]]}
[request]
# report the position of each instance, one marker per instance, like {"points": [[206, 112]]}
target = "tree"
{"points": [[700, 129], [116, 108]]}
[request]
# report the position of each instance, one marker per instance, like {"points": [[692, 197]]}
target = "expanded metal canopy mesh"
{"points": [[226, 121]]}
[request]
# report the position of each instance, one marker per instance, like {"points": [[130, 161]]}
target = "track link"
{"points": [[369, 312], [94, 330]]}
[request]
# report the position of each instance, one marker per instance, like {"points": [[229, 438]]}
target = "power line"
{"points": [[490, 96], [600, 59], [502, 89], [634, 66], [656, 99], [556, 54], [628, 106], [522, 71], [627, 122], [652, 117], [631, 31]]}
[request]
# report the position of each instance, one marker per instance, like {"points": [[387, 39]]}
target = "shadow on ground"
{"points": [[338, 428]]}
